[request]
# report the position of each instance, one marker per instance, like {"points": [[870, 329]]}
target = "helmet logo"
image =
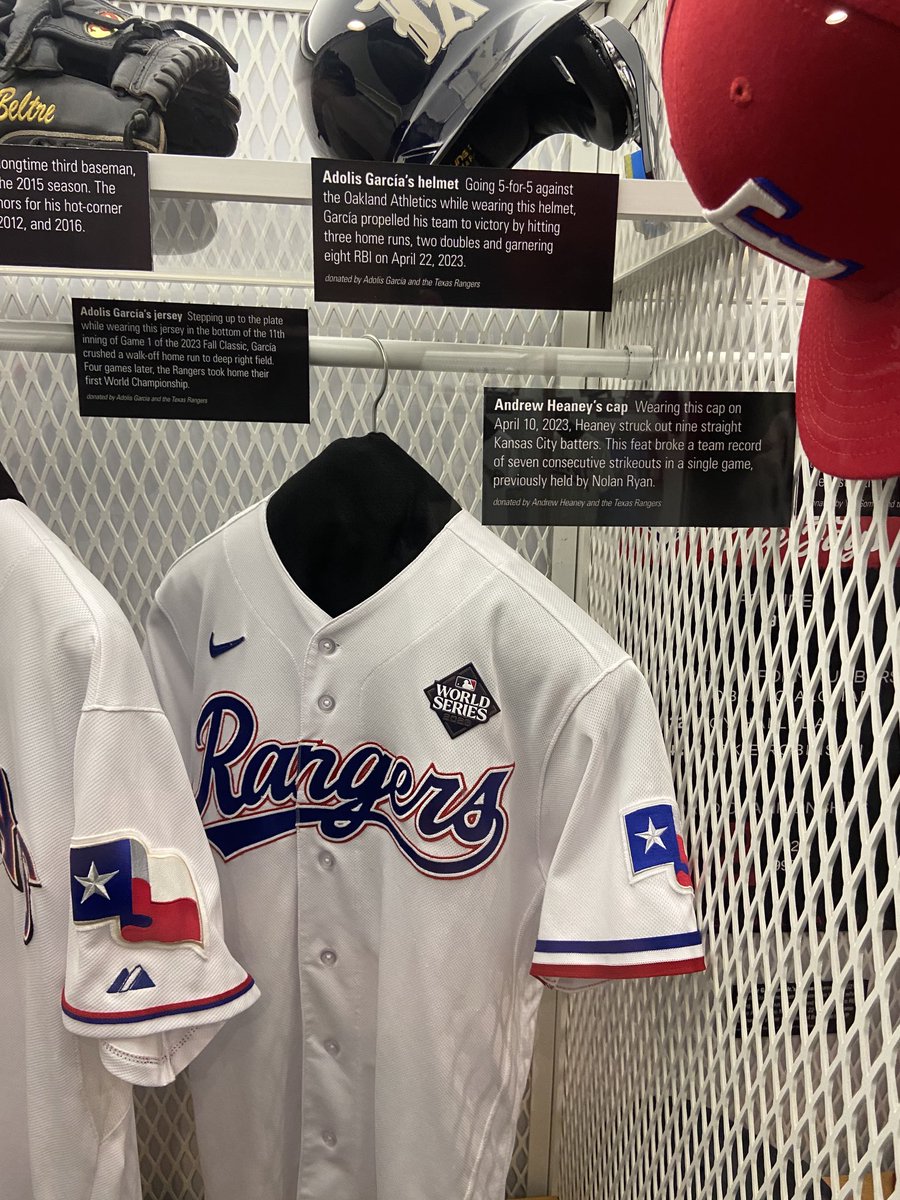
{"points": [[430, 35]]}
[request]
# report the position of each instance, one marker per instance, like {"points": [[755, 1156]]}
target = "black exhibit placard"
{"points": [[386, 233], [74, 208], [215, 362], [573, 457]]}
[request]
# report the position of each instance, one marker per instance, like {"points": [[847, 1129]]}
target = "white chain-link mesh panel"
{"points": [[129, 496], [170, 1163], [517, 1180], [772, 656]]}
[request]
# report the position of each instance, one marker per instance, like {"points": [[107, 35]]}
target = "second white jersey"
{"points": [[419, 809], [113, 969]]}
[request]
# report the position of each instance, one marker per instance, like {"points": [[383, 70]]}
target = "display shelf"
{"points": [[197, 276], [273, 182], [656, 259]]}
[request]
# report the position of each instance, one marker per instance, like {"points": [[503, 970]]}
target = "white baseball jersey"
{"points": [[111, 918], [419, 809]]}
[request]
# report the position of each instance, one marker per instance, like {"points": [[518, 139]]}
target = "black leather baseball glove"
{"points": [[79, 73]]}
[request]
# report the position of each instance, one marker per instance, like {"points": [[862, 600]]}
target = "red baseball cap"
{"points": [[784, 117]]}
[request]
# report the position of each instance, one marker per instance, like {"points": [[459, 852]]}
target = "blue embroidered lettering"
{"points": [[316, 765], [268, 771], [218, 755]]}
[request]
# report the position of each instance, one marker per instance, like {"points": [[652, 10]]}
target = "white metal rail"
{"points": [[631, 362], [277, 182]]}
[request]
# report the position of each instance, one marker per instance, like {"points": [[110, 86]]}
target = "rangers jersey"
{"points": [[419, 809], [111, 918]]}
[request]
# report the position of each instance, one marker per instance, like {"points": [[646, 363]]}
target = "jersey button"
{"points": [[332, 1047], [329, 1138], [326, 860], [328, 957], [326, 703], [327, 646]]}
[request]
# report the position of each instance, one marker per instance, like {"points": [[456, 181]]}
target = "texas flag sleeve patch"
{"points": [[655, 845], [621, 906], [148, 897]]}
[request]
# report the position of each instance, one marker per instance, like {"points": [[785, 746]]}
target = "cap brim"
{"points": [[848, 382]]}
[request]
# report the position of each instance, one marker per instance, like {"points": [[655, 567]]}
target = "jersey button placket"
{"points": [[323, 1073], [326, 648], [325, 1080]]}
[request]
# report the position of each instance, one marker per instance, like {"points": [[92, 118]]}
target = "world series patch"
{"points": [[462, 700]]}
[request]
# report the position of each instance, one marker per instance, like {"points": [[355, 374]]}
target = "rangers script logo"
{"points": [[252, 792]]}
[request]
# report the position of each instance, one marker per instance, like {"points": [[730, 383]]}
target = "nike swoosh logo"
{"points": [[223, 647]]}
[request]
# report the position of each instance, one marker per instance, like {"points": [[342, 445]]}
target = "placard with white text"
{"points": [[137, 358], [579, 457], [395, 234], [74, 208]]}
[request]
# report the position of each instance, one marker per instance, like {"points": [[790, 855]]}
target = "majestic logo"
{"points": [[253, 792], [17, 860], [130, 981], [29, 109], [743, 215], [223, 647], [462, 700], [653, 844], [431, 25], [149, 897]]}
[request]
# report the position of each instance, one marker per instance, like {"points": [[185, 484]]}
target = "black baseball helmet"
{"points": [[469, 82]]}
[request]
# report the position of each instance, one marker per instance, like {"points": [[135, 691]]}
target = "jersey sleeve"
{"points": [[619, 900], [147, 968]]}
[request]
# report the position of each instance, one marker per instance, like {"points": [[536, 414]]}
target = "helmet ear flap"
{"points": [[592, 101], [486, 85], [566, 84], [497, 136]]}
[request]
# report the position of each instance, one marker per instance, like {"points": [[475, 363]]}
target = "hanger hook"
{"points": [[370, 337]]}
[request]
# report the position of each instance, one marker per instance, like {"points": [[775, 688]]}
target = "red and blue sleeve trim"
{"points": [[683, 966], [665, 954], [160, 1010], [669, 941]]}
